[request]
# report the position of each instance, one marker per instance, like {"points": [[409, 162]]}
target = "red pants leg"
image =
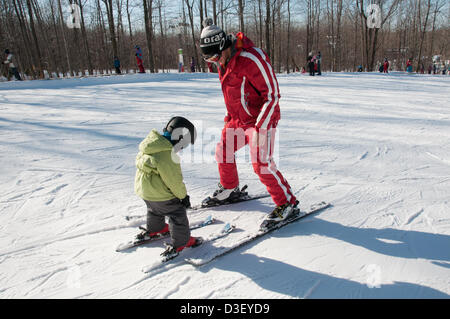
{"points": [[233, 139], [266, 169]]}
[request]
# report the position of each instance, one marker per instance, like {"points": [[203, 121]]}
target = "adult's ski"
{"points": [[124, 246], [208, 255]]}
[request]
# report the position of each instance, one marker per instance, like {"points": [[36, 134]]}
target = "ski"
{"points": [[209, 255], [124, 246], [207, 203], [165, 264]]}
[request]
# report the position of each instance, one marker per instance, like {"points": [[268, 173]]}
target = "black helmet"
{"points": [[181, 131], [6, 51]]}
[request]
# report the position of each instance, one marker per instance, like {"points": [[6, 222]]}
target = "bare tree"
{"points": [[370, 34], [190, 6], [148, 11]]}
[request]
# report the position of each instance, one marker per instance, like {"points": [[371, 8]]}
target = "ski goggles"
{"points": [[211, 58]]}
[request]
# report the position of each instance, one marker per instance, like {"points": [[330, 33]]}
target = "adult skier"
{"points": [[251, 94], [159, 182], [386, 66], [310, 63]]}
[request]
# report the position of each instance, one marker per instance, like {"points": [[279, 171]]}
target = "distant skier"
{"points": [[139, 60], [159, 182], [12, 65], [251, 96], [192, 65], [318, 63], [409, 67], [310, 63], [117, 65], [386, 66]]}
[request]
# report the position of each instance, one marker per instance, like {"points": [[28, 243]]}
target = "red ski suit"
{"points": [[251, 94]]}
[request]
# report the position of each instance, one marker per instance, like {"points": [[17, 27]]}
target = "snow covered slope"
{"points": [[376, 146]]}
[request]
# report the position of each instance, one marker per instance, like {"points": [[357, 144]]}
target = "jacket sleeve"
{"points": [[261, 75], [171, 175]]}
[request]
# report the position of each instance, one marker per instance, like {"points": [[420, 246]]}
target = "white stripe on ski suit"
{"points": [[243, 97], [269, 162], [269, 67], [269, 86]]}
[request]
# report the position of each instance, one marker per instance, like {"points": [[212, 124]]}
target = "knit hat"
{"points": [[213, 39]]}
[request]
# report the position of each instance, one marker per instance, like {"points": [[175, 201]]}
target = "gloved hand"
{"points": [[186, 202]]}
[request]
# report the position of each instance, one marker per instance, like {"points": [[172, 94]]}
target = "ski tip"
{"points": [[122, 247], [321, 205]]}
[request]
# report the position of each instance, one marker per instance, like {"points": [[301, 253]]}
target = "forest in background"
{"points": [[49, 40]]}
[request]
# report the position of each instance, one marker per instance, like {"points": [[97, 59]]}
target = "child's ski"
{"points": [[124, 246]]}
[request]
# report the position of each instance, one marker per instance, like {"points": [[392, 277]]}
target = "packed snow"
{"points": [[376, 146]]}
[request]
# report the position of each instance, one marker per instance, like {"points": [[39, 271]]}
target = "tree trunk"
{"points": [[268, 28], [63, 31], [35, 39], [163, 37], [288, 46], [85, 40], [112, 32], [419, 58], [214, 11], [148, 10], [191, 20], [241, 15]]}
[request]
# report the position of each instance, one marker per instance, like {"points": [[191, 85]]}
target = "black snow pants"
{"points": [[178, 221]]}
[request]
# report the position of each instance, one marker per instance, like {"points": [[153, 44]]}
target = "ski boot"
{"points": [[145, 235], [279, 214], [224, 196], [172, 252]]}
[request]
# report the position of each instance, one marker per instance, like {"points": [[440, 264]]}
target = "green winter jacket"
{"points": [[158, 178]]}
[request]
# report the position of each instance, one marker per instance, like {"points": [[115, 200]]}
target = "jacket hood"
{"points": [[242, 42], [155, 143]]}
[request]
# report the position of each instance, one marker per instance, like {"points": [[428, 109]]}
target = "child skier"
{"points": [[159, 182]]}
